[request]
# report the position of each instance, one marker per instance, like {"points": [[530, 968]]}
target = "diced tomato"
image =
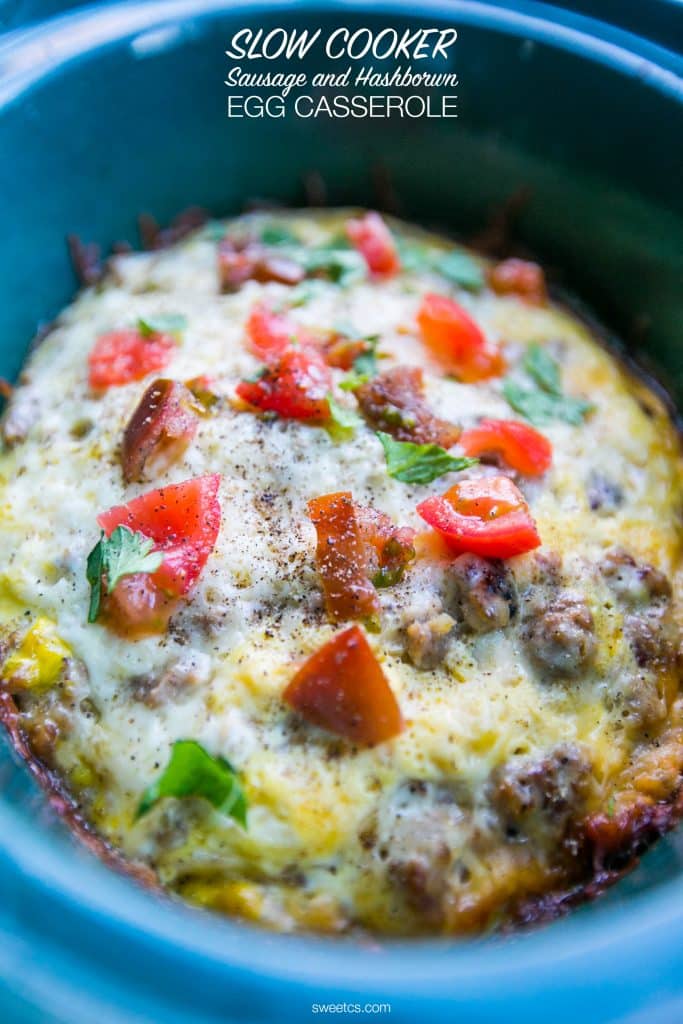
{"points": [[519, 277], [488, 517], [182, 519], [358, 549], [137, 607], [295, 386], [269, 334], [342, 688], [521, 447], [120, 357], [159, 430], [456, 341], [342, 558], [394, 402], [342, 352], [374, 241], [391, 547]]}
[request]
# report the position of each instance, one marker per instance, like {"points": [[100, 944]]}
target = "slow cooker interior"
{"points": [[137, 122]]}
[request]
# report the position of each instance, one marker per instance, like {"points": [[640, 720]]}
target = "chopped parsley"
{"points": [[122, 554], [456, 265], [544, 401], [343, 422], [162, 323], [278, 234], [364, 365], [419, 463], [191, 771], [341, 266]]}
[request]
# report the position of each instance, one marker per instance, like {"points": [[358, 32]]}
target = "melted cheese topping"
{"points": [[439, 829]]}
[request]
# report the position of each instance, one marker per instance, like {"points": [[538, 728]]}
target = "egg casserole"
{"points": [[341, 581]]}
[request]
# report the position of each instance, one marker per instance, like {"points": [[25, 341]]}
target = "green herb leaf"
{"points": [[93, 574], [162, 323], [414, 258], [366, 363], [541, 408], [192, 772], [341, 266], [126, 553], [278, 234], [353, 381], [536, 406], [545, 370], [419, 463], [457, 266], [256, 375], [122, 554], [343, 422], [545, 402]]}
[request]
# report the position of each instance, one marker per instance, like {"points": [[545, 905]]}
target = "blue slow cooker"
{"points": [[110, 110]]}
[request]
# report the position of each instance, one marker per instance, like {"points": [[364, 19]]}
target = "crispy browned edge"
{"points": [[648, 823], [64, 805], [645, 825]]}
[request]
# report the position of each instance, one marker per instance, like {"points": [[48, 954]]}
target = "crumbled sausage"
{"points": [[652, 639], [427, 642], [166, 685], [634, 582], [538, 798], [485, 593], [421, 825], [561, 639]]}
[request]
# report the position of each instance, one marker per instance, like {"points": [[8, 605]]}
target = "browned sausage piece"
{"points": [[485, 592], [421, 826], [653, 638], [427, 640], [539, 797], [560, 639], [634, 582], [159, 430]]}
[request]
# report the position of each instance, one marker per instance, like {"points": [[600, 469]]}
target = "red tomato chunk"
{"points": [[520, 446], [182, 520], [358, 548], [456, 341], [342, 688], [373, 239], [487, 517], [120, 357]]}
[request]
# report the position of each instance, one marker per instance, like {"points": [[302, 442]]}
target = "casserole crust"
{"points": [[296, 402]]}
